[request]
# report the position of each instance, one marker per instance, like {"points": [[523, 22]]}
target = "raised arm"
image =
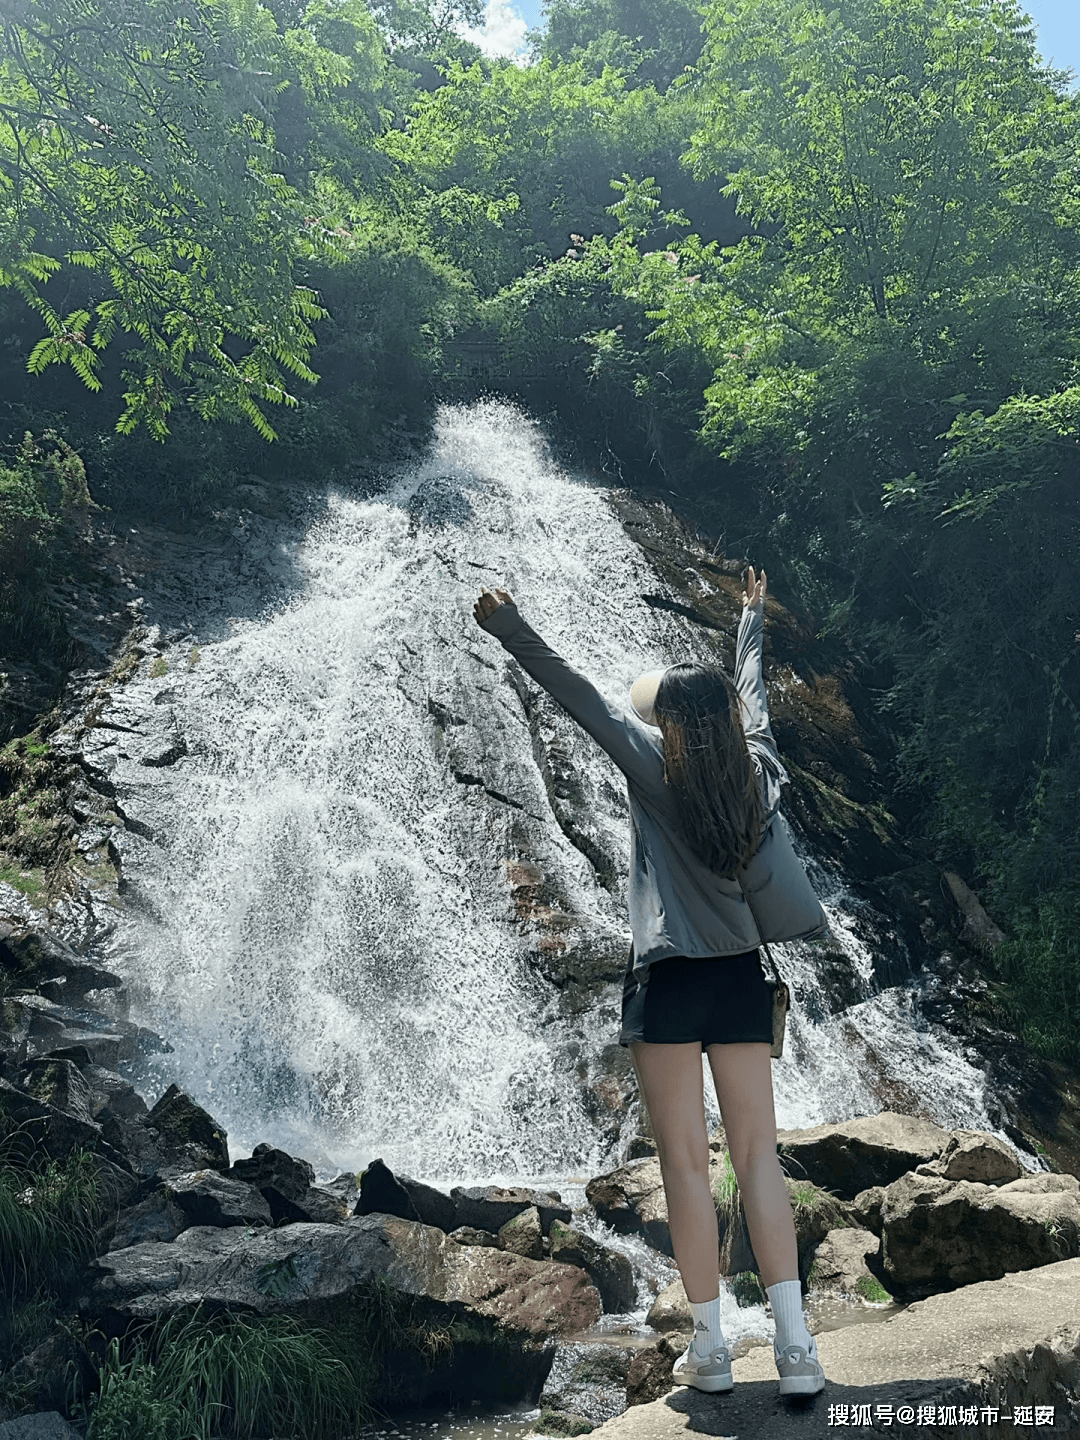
{"points": [[750, 683], [621, 734]]}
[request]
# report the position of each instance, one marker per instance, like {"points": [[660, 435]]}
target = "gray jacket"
{"points": [[678, 906]]}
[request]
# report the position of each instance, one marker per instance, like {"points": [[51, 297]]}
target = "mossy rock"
{"points": [[747, 1288], [558, 1422], [872, 1290]]}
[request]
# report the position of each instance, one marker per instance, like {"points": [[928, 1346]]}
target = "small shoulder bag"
{"points": [[781, 993]]}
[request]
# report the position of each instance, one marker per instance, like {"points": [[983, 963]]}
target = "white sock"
{"points": [[785, 1297], [708, 1336]]}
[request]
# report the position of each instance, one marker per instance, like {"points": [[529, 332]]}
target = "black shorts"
{"points": [[714, 1000]]}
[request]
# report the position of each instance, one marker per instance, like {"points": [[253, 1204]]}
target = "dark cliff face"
{"points": [[838, 757]]}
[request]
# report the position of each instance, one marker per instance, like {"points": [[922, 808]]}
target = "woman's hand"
{"points": [[489, 602], [754, 594]]}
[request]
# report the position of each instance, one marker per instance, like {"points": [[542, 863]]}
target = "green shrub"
{"points": [[42, 485], [159, 667], [129, 1406], [747, 1288]]}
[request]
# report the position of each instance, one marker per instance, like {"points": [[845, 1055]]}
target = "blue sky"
{"points": [[1056, 21]]}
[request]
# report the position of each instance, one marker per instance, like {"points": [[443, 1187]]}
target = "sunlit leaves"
{"points": [[147, 152]]}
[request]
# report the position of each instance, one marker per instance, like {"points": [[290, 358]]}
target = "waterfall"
{"points": [[329, 937]]}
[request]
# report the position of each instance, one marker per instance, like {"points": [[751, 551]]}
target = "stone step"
{"points": [[999, 1343]]}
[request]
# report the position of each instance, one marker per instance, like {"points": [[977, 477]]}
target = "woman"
{"points": [[704, 794]]}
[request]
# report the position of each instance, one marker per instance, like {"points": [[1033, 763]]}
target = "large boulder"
{"points": [[938, 1233], [270, 1169], [45, 1425], [852, 1155], [489, 1207], [53, 1130], [974, 1155], [649, 1376], [382, 1192], [206, 1197], [671, 1310], [610, 1271], [287, 1184], [522, 1235], [110, 1091], [61, 1084], [288, 1269], [156, 1217], [865, 1210], [631, 1200], [315, 1205]]}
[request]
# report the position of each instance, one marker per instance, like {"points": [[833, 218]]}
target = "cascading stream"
{"points": [[330, 942]]}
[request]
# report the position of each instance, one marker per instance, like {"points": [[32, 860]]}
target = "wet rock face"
{"points": [[588, 1380], [649, 1376], [609, 1270], [824, 725], [187, 1129]]}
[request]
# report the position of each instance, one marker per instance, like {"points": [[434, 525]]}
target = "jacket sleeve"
{"points": [[750, 683], [622, 735]]}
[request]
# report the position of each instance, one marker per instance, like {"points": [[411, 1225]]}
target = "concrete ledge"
{"points": [[1014, 1341]]}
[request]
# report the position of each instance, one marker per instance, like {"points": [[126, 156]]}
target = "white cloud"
{"points": [[503, 30]]}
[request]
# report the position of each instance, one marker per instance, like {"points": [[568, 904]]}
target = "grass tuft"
{"points": [[199, 1374], [48, 1221]]}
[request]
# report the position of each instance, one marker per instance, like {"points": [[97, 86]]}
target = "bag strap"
{"points": [[757, 923]]}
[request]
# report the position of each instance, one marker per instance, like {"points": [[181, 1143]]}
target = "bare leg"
{"points": [[743, 1077], [669, 1077]]}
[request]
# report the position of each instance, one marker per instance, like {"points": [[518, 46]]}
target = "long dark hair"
{"points": [[721, 814]]}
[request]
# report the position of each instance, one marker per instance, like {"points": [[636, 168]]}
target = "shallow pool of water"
{"points": [[509, 1423]]}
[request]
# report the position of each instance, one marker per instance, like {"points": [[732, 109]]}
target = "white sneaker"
{"points": [[710, 1372], [800, 1369]]}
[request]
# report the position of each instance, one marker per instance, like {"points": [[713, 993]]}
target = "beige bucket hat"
{"points": [[643, 695]]}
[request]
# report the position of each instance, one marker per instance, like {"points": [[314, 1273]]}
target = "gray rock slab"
{"points": [[288, 1268], [48, 1425], [1014, 1341]]}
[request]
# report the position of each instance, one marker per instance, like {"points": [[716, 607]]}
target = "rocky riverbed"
{"points": [[888, 1207]]}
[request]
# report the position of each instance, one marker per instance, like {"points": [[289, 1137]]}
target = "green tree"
{"points": [[652, 42], [136, 138]]}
